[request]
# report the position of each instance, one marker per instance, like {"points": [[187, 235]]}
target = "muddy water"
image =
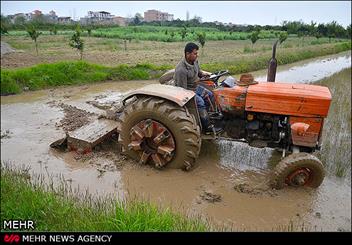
{"points": [[234, 171], [309, 71]]}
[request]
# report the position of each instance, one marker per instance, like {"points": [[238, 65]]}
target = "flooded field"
{"points": [[230, 185]]}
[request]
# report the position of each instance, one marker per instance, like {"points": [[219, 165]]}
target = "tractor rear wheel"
{"points": [[167, 76], [157, 131], [298, 169]]}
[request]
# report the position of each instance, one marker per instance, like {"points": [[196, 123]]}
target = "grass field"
{"points": [[111, 51], [161, 34], [336, 148], [60, 209], [69, 73]]}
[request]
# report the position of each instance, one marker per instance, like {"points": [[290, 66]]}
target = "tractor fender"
{"points": [[177, 95]]}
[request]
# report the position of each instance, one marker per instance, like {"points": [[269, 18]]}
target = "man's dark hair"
{"points": [[190, 47]]}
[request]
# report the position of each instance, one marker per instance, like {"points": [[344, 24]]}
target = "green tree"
{"points": [[312, 29], [303, 31], [322, 30], [4, 28], [201, 38], [348, 30], [283, 36], [53, 30], [317, 35], [5, 23], [183, 32], [20, 21], [89, 30], [291, 26], [254, 37], [331, 29], [76, 41], [34, 34], [137, 19]]}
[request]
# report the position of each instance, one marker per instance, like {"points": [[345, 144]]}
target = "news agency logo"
{"points": [[12, 238]]}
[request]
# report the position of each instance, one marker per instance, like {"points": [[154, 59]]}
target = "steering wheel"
{"points": [[216, 75]]}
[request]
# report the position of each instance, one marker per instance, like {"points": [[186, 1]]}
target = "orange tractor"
{"points": [[159, 124]]}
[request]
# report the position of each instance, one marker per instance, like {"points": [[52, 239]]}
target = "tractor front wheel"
{"points": [[298, 169]]}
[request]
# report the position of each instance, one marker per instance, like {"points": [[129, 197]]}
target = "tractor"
{"points": [[159, 124]]}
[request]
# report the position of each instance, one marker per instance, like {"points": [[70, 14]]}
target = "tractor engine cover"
{"points": [[289, 99]]}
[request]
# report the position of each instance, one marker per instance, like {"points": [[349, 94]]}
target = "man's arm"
{"points": [[202, 73], [180, 78]]}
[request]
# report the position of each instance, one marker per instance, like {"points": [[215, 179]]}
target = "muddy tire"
{"points": [[176, 120], [298, 169]]}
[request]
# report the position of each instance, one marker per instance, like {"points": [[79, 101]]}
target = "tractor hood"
{"points": [[288, 99], [175, 94]]}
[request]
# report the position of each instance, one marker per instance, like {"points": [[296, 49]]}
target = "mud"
{"points": [[209, 196], [6, 134], [74, 118], [229, 187]]}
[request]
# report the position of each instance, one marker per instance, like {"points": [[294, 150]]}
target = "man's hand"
{"points": [[205, 77]]}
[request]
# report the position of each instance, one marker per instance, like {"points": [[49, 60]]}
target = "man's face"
{"points": [[191, 57]]}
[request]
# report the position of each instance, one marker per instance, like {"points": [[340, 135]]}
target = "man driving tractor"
{"points": [[187, 75]]}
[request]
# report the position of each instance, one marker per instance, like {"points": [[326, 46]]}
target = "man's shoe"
{"points": [[215, 115]]}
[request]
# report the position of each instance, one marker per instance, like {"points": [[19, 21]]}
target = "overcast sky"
{"points": [[237, 12]]}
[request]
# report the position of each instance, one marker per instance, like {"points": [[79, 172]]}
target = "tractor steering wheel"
{"points": [[216, 75]]}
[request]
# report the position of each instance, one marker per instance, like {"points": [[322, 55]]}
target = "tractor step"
{"points": [[84, 139]]}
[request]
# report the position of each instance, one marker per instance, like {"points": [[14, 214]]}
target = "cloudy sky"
{"points": [[238, 12]]}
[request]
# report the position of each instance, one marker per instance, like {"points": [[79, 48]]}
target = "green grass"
{"points": [[336, 149], [43, 76], [72, 73], [260, 61], [159, 33], [56, 209]]}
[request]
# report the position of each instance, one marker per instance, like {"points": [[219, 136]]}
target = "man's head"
{"points": [[191, 52]]}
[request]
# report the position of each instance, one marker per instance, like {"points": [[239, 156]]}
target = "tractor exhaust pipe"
{"points": [[272, 66]]}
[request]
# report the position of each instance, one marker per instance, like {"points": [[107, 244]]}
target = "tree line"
{"points": [[301, 29]]}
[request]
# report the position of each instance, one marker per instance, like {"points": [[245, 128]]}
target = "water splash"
{"points": [[240, 156]]}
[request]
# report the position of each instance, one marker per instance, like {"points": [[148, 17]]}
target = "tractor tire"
{"points": [[162, 115], [298, 169], [167, 76]]}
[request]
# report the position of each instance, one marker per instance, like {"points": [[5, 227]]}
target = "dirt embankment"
{"points": [[6, 48]]}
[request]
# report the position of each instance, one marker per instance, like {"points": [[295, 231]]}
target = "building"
{"points": [[155, 15], [118, 20], [51, 17], [25, 17], [99, 16], [37, 13], [64, 20]]}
